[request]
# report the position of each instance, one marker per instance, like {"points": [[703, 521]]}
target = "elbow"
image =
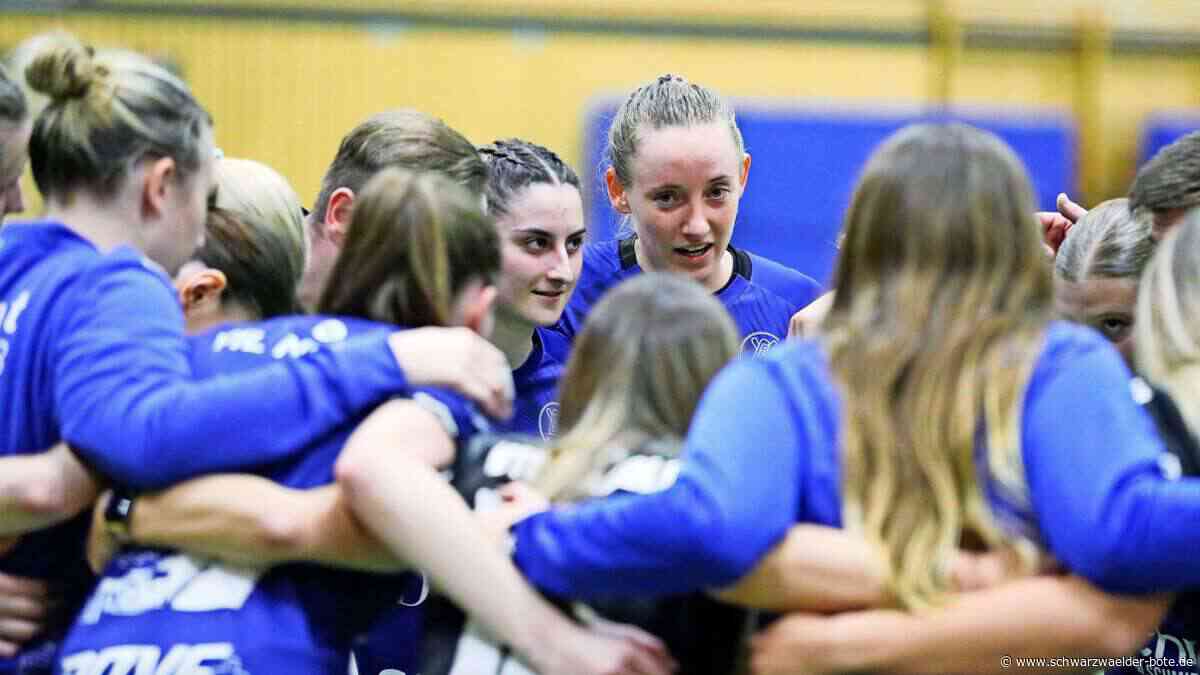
{"points": [[353, 472]]}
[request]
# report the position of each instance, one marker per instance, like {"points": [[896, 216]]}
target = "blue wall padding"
{"points": [[1165, 128]]}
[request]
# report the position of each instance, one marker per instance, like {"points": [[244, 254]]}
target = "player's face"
{"points": [[542, 237], [683, 199], [14, 145], [1104, 304]]}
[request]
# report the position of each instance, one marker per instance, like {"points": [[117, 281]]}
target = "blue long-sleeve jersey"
{"points": [[763, 453], [92, 352], [761, 295], [157, 606]]}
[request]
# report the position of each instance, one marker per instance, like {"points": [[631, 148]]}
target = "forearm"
{"points": [[250, 520], [815, 569], [40, 490], [1037, 617], [424, 521]]}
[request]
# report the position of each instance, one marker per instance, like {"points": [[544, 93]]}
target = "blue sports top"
{"points": [[769, 429], [535, 405], [155, 605], [92, 352], [761, 295]]}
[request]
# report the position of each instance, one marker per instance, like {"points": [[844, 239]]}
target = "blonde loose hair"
{"points": [[943, 298], [1166, 332], [635, 375], [1108, 242], [258, 192]]}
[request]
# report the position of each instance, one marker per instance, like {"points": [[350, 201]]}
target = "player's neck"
{"points": [[513, 336]]}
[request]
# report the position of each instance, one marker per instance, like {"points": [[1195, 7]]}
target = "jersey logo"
{"points": [[330, 330], [759, 342], [548, 420], [177, 582], [8, 323], [212, 658]]}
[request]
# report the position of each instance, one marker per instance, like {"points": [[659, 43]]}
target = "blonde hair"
{"points": [[1108, 242], [943, 298], [108, 109], [668, 101], [1166, 331], [636, 373], [258, 192]]}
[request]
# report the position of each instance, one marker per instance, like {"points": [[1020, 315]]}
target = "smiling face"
{"points": [[683, 197], [1102, 303], [541, 238]]}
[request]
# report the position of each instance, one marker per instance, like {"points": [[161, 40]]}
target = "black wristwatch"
{"points": [[117, 515]]}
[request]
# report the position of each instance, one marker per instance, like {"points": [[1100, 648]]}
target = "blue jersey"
{"points": [[1172, 648], [535, 406], [761, 295], [153, 607], [770, 428], [92, 352]]}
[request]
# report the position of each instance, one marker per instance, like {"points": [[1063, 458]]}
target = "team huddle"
{"points": [[427, 427]]}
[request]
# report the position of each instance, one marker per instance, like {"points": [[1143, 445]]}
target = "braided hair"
{"points": [[514, 165]]}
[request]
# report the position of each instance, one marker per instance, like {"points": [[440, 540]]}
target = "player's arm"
{"points": [[43, 489], [814, 568], [249, 520], [1045, 616], [423, 520]]}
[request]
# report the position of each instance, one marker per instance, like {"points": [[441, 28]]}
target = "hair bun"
{"points": [[64, 71]]}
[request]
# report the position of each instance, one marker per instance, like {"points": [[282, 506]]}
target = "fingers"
{"points": [[489, 369], [629, 633], [24, 605], [644, 662], [17, 632], [1069, 209], [25, 608], [35, 589], [1054, 230], [458, 359]]}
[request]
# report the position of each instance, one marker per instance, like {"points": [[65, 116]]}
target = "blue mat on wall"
{"points": [[1165, 128], [807, 159]]}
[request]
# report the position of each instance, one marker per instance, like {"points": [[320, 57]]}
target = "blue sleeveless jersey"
{"points": [[769, 427], [761, 295], [165, 611], [92, 352]]}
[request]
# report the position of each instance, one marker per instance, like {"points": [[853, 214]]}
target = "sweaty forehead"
{"points": [[685, 154]]}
